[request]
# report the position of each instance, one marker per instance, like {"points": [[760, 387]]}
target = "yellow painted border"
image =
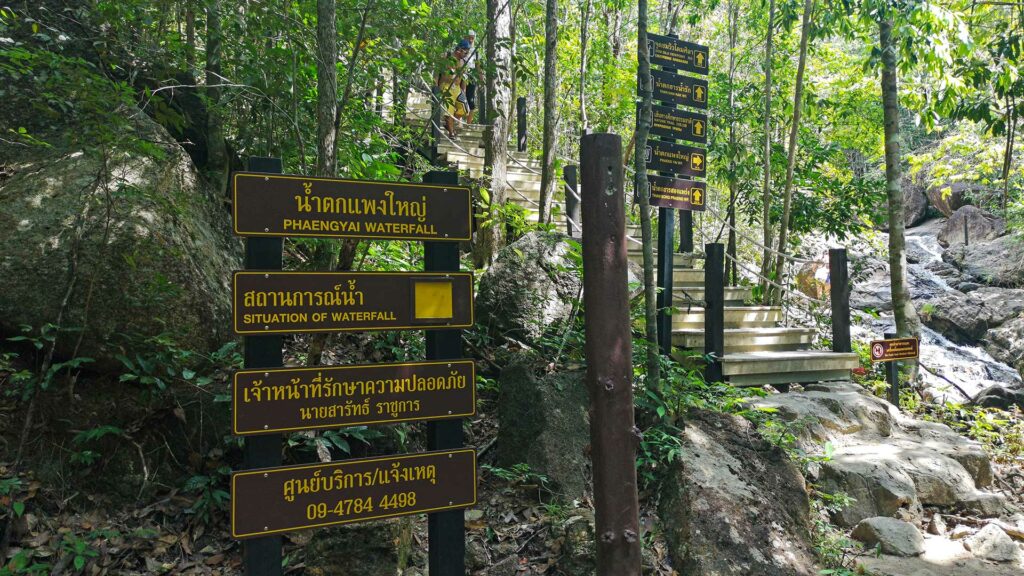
{"points": [[421, 326], [268, 176], [240, 373], [234, 501]]}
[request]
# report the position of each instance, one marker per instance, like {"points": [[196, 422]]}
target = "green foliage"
{"points": [[519, 474], [41, 369], [211, 495]]}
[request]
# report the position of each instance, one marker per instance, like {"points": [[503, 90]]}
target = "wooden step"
{"points": [[735, 317], [798, 367], [780, 339], [734, 295]]}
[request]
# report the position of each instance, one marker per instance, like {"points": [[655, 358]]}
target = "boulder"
{"points": [[981, 226], [915, 201], [949, 197], [1001, 397], [542, 422], [892, 536], [1006, 343], [530, 288], [885, 461], [965, 318], [733, 504], [991, 543], [998, 262], [118, 245]]}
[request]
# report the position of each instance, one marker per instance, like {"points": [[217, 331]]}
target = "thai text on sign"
{"points": [[673, 123], [281, 205], [677, 89], [286, 302], [677, 193], [274, 500], [895, 349], [675, 158], [675, 53], [289, 399]]}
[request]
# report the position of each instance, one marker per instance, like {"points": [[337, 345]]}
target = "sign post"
{"points": [[891, 351], [268, 499]]}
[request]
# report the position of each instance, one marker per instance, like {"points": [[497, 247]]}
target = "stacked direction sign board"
{"points": [[273, 400], [677, 164]]}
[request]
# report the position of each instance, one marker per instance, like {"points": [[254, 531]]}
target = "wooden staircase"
{"points": [[759, 348]]}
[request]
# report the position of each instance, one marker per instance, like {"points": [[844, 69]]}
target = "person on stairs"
{"points": [[452, 85]]}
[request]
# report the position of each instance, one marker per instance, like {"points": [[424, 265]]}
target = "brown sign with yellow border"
{"points": [[677, 89], [289, 399], [274, 500], [283, 205], [676, 158], [677, 193], [676, 124], [678, 54], [275, 302], [895, 349]]}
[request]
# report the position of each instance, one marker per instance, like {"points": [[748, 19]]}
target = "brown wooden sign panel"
{"points": [[678, 54], [677, 193], [283, 205], [675, 124], [675, 158], [274, 500], [678, 89], [289, 399], [895, 349], [275, 302]]}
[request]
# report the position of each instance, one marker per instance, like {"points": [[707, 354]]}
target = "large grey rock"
{"points": [[1006, 343], [530, 288], [1001, 397], [884, 460], [542, 422], [998, 262], [965, 318], [139, 245], [733, 504], [915, 201], [951, 196], [892, 536], [991, 543], [981, 226]]}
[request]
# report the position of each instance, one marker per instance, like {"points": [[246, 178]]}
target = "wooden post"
{"points": [[666, 265], [839, 279], [966, 236], [714, 309], [892, 375], [572, 201], [446, 531], [262, 556], [613, 435], [521, 124], [685, 232]]}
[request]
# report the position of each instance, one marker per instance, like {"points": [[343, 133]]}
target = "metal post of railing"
{"points": [[839, 279], [572, 202], [436, 118], [521, 124], [666, 267], [714, 310]]}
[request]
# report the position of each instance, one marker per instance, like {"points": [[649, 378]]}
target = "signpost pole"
{"points": [[839, 278], [613, 435], [262, 556], [666, 229], [892, 375], [446, 530], [714, 309]]}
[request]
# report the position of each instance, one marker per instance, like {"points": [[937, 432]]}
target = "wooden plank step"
{"points": [[734, 295], [779, 339], [797, 367], [735, 317]]}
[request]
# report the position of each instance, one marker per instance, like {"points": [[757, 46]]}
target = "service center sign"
{"points": [[282, 205]]}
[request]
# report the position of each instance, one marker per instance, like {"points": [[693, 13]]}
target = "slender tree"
{"points": [[643, 128], [499, 109], [217, 153], [731, 272], [584, 27], [907, 322], [547, 178], [766, 191], [794, 130]]}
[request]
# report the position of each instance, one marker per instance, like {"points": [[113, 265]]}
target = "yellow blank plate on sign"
{"points": [[432, 300]]}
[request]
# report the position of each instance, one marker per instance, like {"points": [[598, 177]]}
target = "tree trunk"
{"points": [[217, 153], [643, 128], [732, 276], [1011, 132], [907, 322], [499, 89], [584, 27], [794, 130], [547, 178], [766, 196], [190, 36]]}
